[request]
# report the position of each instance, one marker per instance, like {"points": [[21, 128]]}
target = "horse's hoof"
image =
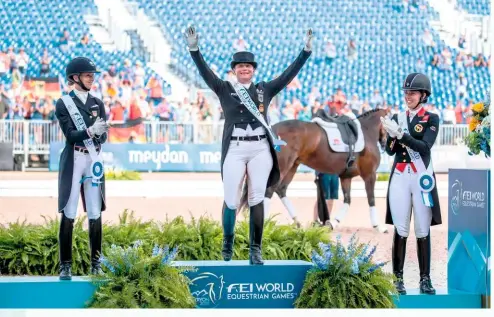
{"points": [[381, 229], [333, 224], [329, 224]]}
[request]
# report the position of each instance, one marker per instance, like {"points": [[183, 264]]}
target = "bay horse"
{"points": [[307, 144]]}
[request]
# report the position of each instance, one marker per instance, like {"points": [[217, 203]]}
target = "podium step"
{"points": [[443, 299], [216, 284]]}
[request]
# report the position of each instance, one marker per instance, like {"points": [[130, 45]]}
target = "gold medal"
{"points": [[418, 128], [261, 107]]}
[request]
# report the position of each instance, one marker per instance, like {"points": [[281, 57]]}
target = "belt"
{"points": [[248, 138], [83, 149]]}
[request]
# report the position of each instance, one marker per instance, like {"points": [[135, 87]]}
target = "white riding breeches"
{"points": [[405, 193], [92, 194], [253, 157]]}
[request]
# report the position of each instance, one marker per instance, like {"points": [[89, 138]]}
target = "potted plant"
{"points": [[135, 279], [479, 138], [346, 278]]}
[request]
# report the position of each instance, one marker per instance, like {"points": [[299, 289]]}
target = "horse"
{"points": [[307, 144]]}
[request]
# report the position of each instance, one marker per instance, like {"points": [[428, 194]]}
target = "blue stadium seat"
{"points": [[35, 25], [389, 42]]}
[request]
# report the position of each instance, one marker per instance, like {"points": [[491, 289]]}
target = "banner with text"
{"points": [[469, 231], [165, 157]]}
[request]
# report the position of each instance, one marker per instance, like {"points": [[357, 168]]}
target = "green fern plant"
{"points": [[32, 249], [346, 278], [134, 278]]}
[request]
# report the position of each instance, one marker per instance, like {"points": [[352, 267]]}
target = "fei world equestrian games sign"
{"points": [[469, 231], [236, 284], [164, 157]]}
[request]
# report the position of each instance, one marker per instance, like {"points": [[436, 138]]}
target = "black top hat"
{"points": [[243, 57]]}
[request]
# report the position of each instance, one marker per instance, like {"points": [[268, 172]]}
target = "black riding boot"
{"points": [[65, 247], [256, 230], [398, 259], [95, 241], [228, 219], [424, 257]]}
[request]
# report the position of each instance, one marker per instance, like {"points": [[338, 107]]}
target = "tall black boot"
{"points": [[398, 258], [95, 241], [65, 247], [424, 257], [256, 230], [228, 219]]}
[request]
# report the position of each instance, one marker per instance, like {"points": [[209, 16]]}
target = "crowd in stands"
{"points": [[127, 94]]}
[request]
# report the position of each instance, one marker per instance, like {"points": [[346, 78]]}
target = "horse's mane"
{"points": [[367, 113]]}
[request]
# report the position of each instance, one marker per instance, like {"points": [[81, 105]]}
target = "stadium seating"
{"points": [[35, 25], [480, 7], [388, 38]]}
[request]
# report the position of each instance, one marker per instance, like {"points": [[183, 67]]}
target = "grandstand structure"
{"points": [[389, 42], [388, 36], [35, 25]]}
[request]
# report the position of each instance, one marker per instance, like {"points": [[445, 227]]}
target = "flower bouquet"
{"points": [[134, 279], [346, 278], [479, 136]]}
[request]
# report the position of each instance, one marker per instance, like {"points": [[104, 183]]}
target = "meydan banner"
{"points": [[164, 157]]}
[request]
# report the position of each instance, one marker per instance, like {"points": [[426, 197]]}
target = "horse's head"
{"points": [[371, 120]]}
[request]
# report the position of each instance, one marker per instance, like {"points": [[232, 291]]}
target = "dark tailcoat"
{"points": [[236, 114], [423, 131], [90, 111]]}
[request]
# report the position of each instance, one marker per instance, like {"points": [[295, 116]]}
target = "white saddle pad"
{"points": [[334, 136]]}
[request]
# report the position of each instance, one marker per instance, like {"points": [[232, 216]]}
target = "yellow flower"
{"points": [[478, 107], [473, 124]]}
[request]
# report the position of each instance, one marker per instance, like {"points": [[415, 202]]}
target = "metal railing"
{"points": [[34, 137]]}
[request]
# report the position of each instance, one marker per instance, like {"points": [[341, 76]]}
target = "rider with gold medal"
{"points": [[249, 145]]}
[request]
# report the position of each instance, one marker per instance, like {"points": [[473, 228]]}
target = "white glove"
{"points": [[308, 41], [389, 126], [192, 38], [99, 127]]}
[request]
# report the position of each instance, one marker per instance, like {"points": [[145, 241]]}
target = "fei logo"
{"points": [[466, 198], [456, 190], [207, 288]]}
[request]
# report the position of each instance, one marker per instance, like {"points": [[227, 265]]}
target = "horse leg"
{"points": [[346, 187], [267, 199], [281, 192], [370, 182]]}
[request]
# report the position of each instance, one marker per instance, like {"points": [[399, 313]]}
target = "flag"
{"points": [[129, 131], [42, 87]]}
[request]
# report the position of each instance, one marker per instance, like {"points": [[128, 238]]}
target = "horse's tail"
{"points": [[244, 196]]}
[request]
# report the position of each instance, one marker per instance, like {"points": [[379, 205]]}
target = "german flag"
{"points": [[42, 87], [129, 131]]}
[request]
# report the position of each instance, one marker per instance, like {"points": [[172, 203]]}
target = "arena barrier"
{"points": [[157, 157]]}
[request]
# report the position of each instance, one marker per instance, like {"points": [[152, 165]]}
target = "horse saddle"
{"points": [[346, 125]]}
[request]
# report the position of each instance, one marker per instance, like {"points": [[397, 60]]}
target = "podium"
{"points": [[469, 231], [236, 284]]}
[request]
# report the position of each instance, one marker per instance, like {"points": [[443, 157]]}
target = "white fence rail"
{"points": [[34, 137]]}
